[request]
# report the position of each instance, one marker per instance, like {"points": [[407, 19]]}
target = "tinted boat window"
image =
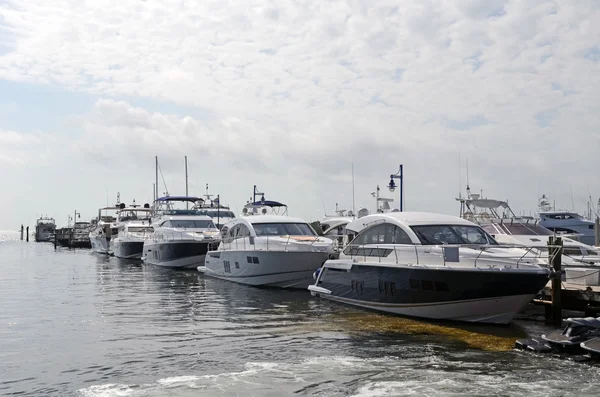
{"points": [[190, 224], [452, 234], [382, 234], [283, 229]]}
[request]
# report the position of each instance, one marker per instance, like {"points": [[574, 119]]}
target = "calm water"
{"points": [[76, 324]]}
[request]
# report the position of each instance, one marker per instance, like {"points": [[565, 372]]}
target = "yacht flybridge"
{"points": [[181, 236], [431, 266], [133, 225], [266, 249]]}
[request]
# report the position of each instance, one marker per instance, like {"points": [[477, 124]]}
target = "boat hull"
{"points": [[292, 269], [473, 295], [44, 237], [175, 254], [127, 249], [100, 244]]}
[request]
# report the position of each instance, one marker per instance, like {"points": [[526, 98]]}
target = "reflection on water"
{"points": [[76, 323]]}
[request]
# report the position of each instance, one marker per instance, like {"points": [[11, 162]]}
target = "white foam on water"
{"points": [[362, 377], [108, 390], [178, 380]]}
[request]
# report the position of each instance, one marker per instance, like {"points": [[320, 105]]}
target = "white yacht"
{"points": [[568, 223], [133, 224], [104, 229], [267, 250], [80, 235], [431, 266], [497, 218], [181, 237], [44, 229]]}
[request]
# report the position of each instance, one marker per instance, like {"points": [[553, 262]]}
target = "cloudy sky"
{"points": [[287, 95]]}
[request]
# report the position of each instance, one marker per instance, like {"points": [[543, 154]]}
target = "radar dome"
{"points": [[363, 212]]}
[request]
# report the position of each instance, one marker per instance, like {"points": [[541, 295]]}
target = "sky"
{"points": [[291, 96]]}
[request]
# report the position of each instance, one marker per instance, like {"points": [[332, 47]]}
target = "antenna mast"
{"points": [[468, 187], [156, 184], [186, 183], [353, 206]]}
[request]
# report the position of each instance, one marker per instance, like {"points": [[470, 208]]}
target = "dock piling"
{"points": [[22, 232], [27, 234], [555, 249]]}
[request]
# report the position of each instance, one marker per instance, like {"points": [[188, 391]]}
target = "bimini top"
{"points": [[179, 198], [265, 203], [408, 219]]}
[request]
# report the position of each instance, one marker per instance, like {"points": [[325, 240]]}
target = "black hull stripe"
{"points": [[404, 305], [256, 275]]}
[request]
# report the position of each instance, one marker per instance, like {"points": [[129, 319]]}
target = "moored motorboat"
{"points": [[80, 235], [181, 237], [105, 228], [45, 228], [133, 229], [431, 266], [267, 250]]}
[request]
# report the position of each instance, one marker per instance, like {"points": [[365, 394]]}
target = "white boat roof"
{"points": [[336, 219], [534, 240], [272, 219], [409, 219], [185, 218]]}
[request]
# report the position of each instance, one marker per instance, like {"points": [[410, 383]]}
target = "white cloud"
{"points": [[299, 90]]}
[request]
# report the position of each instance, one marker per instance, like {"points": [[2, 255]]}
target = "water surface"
{"points": [[73, 323]]}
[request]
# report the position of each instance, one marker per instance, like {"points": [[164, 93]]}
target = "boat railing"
{"points": [[479, 256], [270, 243], [181, 235]]}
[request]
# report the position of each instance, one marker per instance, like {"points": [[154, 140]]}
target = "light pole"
{"points": [[257, 193], [392, 185]]}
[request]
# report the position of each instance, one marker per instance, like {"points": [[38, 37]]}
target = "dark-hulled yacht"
{"points": [[431, 266]]}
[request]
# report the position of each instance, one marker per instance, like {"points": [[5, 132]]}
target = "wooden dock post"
{"points": [[27, 234], [555, 249], [22, 232]]}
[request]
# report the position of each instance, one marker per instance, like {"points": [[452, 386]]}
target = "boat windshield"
{"points": [[217, 213], [517, 228], [452, 234], [190, 224], [140, 229], [283, 229]]}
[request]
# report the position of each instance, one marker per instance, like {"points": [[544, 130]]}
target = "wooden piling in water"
{"points": [[27, 234], [555, 248], [22, 232]]}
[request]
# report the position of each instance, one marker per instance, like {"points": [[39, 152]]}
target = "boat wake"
{"points": [[365, 377]]}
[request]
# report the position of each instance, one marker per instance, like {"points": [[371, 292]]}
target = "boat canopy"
{"points": [[265, 203], [487, 203], [179, 198]]}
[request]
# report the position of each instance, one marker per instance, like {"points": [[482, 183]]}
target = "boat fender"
{"points": [[316, 274]]}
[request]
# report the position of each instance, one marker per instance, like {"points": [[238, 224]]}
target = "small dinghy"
{"points": [[578, 330]]}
